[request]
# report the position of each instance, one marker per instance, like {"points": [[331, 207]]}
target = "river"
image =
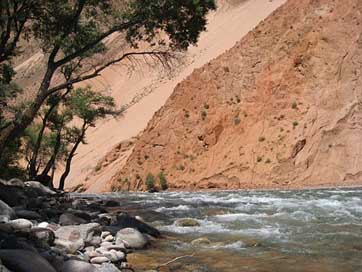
{"points": [[305, 230]]}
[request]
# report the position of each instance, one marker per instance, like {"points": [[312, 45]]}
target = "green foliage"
{"points": [[163, 181], [150, 182]]}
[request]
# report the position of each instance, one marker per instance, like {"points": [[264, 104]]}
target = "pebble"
{"points": [[99, 260]]}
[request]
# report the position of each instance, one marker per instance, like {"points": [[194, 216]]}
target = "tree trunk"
{"points": [[17, 127], [70, 157], [56, 149]]}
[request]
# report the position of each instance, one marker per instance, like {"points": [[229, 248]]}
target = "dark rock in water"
{"points": [[126, 221], [6, 212], [112, 203], [67, 219], [108, 267], [25, 261], [27, 214], [84, 215], [78, 266]]}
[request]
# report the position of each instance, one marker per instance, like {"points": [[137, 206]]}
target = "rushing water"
{"points": [[309, 230]]}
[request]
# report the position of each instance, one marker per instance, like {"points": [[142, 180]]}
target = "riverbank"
{"points": [[49, 231]]}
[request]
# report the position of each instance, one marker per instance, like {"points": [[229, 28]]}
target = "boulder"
{"points": [[112, 203], [44, 237], [25, 261], [67, 219], [78, 266], [12, 182], [133, 238], [39, 188], [27, 214], [12, 195], [21, 224], [84, 231], [6, 212], [187, 222], [126, 221], [70, 246]]}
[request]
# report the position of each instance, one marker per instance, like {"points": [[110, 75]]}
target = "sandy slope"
{"points": [[226, 27], [281, 109]]}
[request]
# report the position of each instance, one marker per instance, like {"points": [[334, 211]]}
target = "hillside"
{"points": [[282, 108], [146, 90]]}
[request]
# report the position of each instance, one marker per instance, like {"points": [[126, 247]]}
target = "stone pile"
{"points": [[44, 230]]}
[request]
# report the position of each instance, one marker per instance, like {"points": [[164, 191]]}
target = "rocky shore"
{"points": [[45, 230]]}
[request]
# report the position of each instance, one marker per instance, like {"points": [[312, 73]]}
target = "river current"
{"points": [[306, 230]]}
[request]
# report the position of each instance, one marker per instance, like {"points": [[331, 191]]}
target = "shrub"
{"points": [[163, 181], [261, 139], [206, 106], [294, 105], [203, 115], [268, 161], [259, 159], [150, 182], [295, 123]]}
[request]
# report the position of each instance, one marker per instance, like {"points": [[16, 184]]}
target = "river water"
{"points": [[307, 230]]}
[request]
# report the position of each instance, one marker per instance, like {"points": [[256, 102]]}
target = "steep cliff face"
{"points": [[282, 108]]}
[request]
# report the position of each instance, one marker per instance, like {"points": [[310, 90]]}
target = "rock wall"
{"points": [[282, 108]]}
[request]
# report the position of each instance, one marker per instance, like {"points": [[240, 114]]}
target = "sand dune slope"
{"points": [[147, 91]]}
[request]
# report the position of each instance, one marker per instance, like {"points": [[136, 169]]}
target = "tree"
{"points": [[71, 32], [88, 106]]}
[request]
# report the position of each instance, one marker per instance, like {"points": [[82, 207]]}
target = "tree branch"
{"points": [[162, 56]]}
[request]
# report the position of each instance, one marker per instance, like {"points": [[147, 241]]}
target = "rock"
{"points": [[70, 247], [187, 222], [99, 260], [67, 219], [126, 221], [12, 182], [21, 224], [24, 261], [84, 231], [109, 238], [201, 241], [14, 242], [27, 214], [43, 236], [107, 267], [105, 234], [40, 188], [78, 266], [118, 247], [6, 212], [132, 237], [13, 195], [96, 241], [112, 203]]}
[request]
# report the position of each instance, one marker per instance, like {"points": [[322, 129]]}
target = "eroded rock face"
{"points": [[277, 110]]}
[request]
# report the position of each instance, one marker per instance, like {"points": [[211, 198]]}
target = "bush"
{"points": [[163, 181], [150, 182]]}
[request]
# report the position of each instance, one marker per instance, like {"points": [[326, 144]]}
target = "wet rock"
{"points": [[112, 203], [105, 234], [78, 266], [12, 195], [12, 182], [25, 261], [39, 188], [108, 238], [21, 224], [31, 215], [6, 212], [133, 238], [126, 221], [67, 219], [187, 222], [201, 241], [99, 260]]}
